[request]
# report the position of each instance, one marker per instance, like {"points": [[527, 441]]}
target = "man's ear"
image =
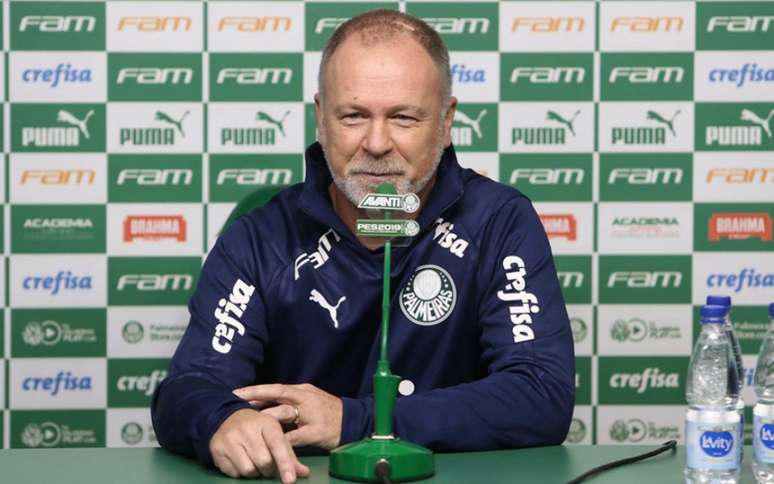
{"points": [[448, 120], [319, 118]]}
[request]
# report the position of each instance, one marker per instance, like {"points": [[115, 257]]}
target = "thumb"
{"points": [[302, 436]]}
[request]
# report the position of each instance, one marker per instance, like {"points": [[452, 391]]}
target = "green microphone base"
{"points": [[357, 461]]}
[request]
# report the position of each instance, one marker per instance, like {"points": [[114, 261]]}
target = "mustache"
{"points": [[376, 166]]}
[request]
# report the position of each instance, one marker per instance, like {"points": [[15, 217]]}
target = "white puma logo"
{"points": [[320, 299], [463, 118]]}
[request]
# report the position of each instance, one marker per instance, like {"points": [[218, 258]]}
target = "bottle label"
{"points": [[763, 439], [712, 446]]}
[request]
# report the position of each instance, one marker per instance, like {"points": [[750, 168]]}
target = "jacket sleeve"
{"points": [[222, 348], [527, 397]]}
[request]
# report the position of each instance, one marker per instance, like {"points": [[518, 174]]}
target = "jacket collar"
{"points": [[315, 200]]}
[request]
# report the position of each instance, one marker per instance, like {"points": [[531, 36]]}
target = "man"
{"points": [[284, 326]]}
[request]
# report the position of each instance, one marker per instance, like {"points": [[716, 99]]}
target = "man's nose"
{"points": [[378, 141]]}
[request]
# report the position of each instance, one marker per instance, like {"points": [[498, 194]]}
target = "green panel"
{"points": [[42, 429], [574, 272], [645, 279], [57, 26], [148, 281], [322, 19], [733, 226], [647, 77], [42, 333], [734, 25], [154, 77], [463, 26], [154, 178], [475, 127], [57, 228], [256, 77], [549, 177], [233, 177], [58, 127], [645, 177], [642, 380], [131, 382], [546, 77], [582, 380], [734, 127]]}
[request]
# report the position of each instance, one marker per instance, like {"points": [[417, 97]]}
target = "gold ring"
{"points": [[298, 415]]}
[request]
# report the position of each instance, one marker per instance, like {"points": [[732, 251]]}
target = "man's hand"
{"points": [[319, 413], [251, 444]]}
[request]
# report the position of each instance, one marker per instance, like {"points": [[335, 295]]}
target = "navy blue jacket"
{"points": [[478, 324]]}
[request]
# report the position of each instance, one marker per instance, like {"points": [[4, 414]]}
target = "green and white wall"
{"points": [[641, 130]]}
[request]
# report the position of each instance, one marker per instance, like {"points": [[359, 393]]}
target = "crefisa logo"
{"points": [[716, 444], [62, 73], [64, 381], [64, 280]]}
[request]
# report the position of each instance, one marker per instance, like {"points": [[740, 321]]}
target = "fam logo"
{"points": [[560, 180], [264, 135], [747, 73], [552, 134], [255, 76], [51, 333], [547, 25], [741, 23], [132, 332], [154, 23], [58, 23], [63, 73], [429, 296], [645, 279], [255, 24], [647, 74], [740, 226], [560, 226], [155, 177], [255, 176], [635, 430], [64, 381], [154, 227], [155, 282], [167, 134], [57, 26], [155, 75], [647, 24], [746, 278], [549, 75], [63, 281], [636, 330], [71, 131], [741, 176], [56, 177], [646, 135], [748, 131]]}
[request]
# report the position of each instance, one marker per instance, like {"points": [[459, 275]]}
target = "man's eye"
{"points": [[353, 116], [403, 117]]}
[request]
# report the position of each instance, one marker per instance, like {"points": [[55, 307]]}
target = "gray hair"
{"points": [[382, 24]]}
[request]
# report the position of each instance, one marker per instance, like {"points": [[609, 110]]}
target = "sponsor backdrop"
{"points": [[641, 130]]}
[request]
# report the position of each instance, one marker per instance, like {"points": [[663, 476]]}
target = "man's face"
{"points": [[381, 116]]}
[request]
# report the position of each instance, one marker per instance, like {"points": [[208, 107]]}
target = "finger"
{"points": [[286, 414], [273, 392], [281, 451], [261, 457], [240, 458], [226, 466], [301, 436]]}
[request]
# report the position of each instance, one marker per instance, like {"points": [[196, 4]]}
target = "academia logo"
{"points": [[644, 77], [475, 127], [638, 227], [651, 177], [157, 178], [546, 178], [154, 227], [154, 77], [739, 226], [57, 228], [734, 26], [725, 126], [57, 26], [149, 281], [547, 77], [558, 226], [574, 273], [255, 77], [646, 279], [641, 380], [64, 127], [233, 177], [132, 381]]}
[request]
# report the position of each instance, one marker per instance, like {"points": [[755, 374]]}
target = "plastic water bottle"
{"points": [[712, 390], [763, 413], [725, 301]]}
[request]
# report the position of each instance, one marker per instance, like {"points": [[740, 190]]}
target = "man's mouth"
{"points": [[376, 178]]}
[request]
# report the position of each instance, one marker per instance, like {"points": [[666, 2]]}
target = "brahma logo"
{"points": [[541, 25], [515, 290], [58, 136], [154, 227], [58, 23], [647, 24], [63, 381], [747, 73], [746, 278], [560, 226], [260, 136], [58, 177], [229, 313], [63, 72], [155, 24], [716, 444], [255, 24], [645, 135], [740, 135], [740, 226], [64, 280], [648, 378]]}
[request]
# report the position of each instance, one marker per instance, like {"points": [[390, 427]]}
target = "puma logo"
{"points": [[67, 117], [320, 299], [554, 116]]}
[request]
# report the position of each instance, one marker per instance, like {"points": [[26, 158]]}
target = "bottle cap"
{"points": [[771, 310], [719, 300], [713, 314]]}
